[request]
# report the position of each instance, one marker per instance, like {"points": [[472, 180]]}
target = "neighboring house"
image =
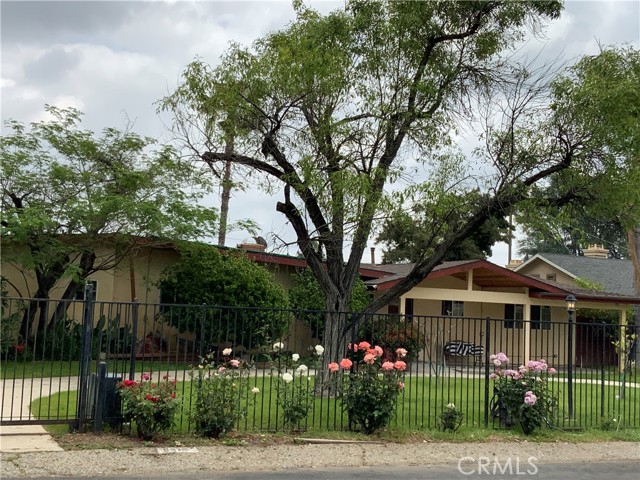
{"points": [[533, 311], [609, 274]]}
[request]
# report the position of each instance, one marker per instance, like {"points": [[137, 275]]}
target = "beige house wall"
{"points": [[543, 271]]}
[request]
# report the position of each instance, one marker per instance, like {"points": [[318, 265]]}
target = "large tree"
{"points": [[335, 106], [67, 191]]}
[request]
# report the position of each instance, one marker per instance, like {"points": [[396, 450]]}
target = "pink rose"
{"points": [[369, 359], [234, 363], [400, 365], [353, 347], [334, 367], [552, 370], [378, 351], [146, 376], [401, 352], [364, 345], [400, 385], [346, 363], [386, 366], [493, 376], [221, 369]]}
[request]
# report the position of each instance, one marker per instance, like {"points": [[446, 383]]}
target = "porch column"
{"points": [[526, 330], [470, 280], [623, 339], [401, 307]]}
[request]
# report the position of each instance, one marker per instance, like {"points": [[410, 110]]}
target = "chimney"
{"points": [[252, 247], [514, 263], [596, 251], [373, 255]]}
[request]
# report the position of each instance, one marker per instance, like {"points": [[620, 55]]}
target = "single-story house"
{"points": [[532, 312]]}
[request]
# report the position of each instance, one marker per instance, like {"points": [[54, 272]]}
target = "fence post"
{"points": [[570, 365], [203, 320], [602, 370], [100, 396], [85, 359], [487, 352], [134, 339]]}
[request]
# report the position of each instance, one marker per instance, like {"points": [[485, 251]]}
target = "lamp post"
{"points": [[571, 308]]}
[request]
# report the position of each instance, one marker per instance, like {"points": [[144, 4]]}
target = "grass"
{"points": [[71, 368], [418, 407]]}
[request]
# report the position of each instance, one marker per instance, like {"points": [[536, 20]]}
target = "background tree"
{"points": [[67, 191], [204, 275], [334, 105], [411, 233], [599, 98]]}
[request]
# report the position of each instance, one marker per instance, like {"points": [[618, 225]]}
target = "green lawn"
{"points": [[420, 403], [71, 368]]}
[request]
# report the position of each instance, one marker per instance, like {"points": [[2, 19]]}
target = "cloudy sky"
{"points": [[113, 60]]}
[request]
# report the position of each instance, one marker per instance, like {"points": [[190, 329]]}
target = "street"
{"points": [[565, 471]]}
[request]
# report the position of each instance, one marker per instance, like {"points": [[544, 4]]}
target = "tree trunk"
{"points": [[633, 241], [87, 261], [226, 194], [335, 341]]}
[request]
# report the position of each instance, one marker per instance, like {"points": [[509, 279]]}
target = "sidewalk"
{"points": [[150, 461]]}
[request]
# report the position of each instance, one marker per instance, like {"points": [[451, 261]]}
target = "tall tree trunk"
{"points": [[226, 194], [633, 241], [335, 341], [87, 261]]}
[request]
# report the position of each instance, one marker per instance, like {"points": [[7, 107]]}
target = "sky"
{"points": [[113, 60]]}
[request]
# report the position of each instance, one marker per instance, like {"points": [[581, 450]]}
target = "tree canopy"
{"points": [[66, 191], [335, 108]]}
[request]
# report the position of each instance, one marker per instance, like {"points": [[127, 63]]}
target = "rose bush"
{"points": [[522, 396], [151, 405], [222, 394], [450, 418], [371, 385], [294, 394]]}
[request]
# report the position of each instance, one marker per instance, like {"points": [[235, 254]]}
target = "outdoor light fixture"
{"points": [[571, 303]]}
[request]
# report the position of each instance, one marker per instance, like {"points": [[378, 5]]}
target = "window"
{"points": [[513, 315], [452, 308], [393, 309], [540, 317], [551, 276], [80, 292]]}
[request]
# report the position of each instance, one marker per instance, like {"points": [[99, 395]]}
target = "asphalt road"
{"points": [[559, 471]]}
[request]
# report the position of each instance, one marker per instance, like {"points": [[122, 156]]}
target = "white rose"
{"points": [[295, 357], [278, 346], [451, 406], [302, 369], [226, 352], [319, 349], [255, 390], [287, 377]]}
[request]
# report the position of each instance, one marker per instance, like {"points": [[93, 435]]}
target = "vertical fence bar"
{"points": [[487, 352], [85, 359], [570, 366], [134, 338]]}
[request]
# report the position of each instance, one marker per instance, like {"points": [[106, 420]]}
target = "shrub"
{"points": [[204, 276], [221, 394], [450, 418], [151, 405], [522, 395], [370, 389], [294, 394]]}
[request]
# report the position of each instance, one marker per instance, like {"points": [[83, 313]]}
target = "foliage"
{"points": [[67, 192], [10, 341], [152, 405], [333, 108], [411, 234], [294, 394], [221, 394], [523, 395], [205, 276], [371, 388], [394, 332], [307, 298], [450, 418]]}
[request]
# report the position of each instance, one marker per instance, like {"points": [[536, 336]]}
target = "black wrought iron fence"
{"points": [[61, 369]]}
